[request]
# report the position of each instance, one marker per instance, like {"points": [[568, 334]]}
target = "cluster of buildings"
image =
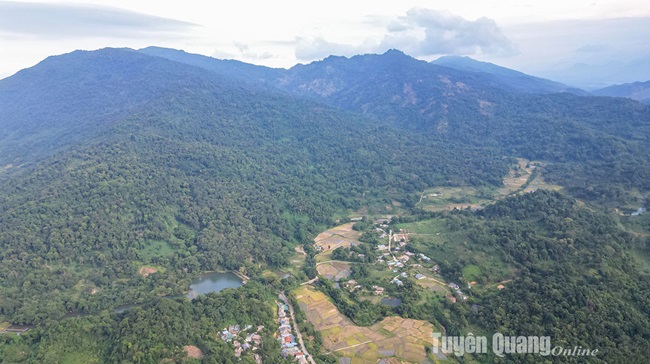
{"points": [[287, 339], [243, 339], [457, 291], [352, 285]]}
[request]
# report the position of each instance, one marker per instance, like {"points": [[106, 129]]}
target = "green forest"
{"points": [[139, 161]]}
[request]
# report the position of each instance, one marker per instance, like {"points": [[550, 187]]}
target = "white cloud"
{"points": [[426, 32], [420, 33], [61, 21]]}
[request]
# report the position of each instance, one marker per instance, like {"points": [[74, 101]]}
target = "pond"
{"points": [[213, 282]]}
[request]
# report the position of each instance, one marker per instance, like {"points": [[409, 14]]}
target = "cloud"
{"points": [[426, 32], [318, 48], [58, 21], [420, 33], [246, 53]]}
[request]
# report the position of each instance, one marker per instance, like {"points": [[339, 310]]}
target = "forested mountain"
{"points": [[65, 99], [518, 81], [639, 91], [218, 174], [115, 159], [239, 70]]}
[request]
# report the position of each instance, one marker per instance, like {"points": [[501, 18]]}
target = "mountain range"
{"points": [[115, 159], [639, 91]]}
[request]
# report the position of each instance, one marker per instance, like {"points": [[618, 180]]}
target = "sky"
{"points": [[547, 38]]}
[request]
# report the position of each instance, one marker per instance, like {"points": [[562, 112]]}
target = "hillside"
{"points": [[213, 173], [639, 91], [516, 80], [116, 160]]}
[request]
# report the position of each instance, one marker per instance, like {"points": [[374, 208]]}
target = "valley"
{"points": [[388, 196]]}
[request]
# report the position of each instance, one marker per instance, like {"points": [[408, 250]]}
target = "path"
{"points": [[309, 282], [421, 197], [437, 281], [498, 283], [390, 238], [284, 299], [353, 346]]}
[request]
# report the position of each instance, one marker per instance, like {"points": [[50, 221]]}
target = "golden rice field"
{"points": [[395, 338]]}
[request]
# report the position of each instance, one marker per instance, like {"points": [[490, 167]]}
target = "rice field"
{"points": [[393, 338]]}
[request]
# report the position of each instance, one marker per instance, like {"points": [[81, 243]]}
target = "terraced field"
{"points": [[393, 339]]}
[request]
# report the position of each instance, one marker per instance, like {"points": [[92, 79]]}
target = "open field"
{"points": [[393, 337], [524, 176], [479, 263], [335, 271], [339, 236]]}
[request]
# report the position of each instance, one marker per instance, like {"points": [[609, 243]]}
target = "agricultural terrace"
{"points": [[393, 337], [339, 236]]}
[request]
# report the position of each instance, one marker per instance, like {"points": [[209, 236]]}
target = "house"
{"points": [[397, 282], [257, 339], [234, 329], [378, 290], [288, 345], [381, 247], [419, 276], [260, 328], [453, 285], [236, 344], [226, 335], [361, 255], [356, 218], [425, 258], [258, 358], [285, 321], [436, 268], [404, 274], [402, 244], [245, 346], [238, 352]]}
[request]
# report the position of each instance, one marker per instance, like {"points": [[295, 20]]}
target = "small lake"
{"points": [[392, 302], [213, 282]]}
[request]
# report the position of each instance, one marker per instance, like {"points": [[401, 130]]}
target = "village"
{"points": [[287, 339], [398, 259], [244, 339]]}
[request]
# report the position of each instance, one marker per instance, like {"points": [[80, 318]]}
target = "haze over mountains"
{"points": [[116, 158]]}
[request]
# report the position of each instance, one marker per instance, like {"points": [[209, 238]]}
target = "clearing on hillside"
{"points": [[146, 271], [193, 352], [334, 270], [339, 236]]}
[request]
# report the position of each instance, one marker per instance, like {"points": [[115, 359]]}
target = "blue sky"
{"points": [[543, 38]]}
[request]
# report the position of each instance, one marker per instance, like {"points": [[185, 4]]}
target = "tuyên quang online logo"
{"points": [[502, 345]]}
